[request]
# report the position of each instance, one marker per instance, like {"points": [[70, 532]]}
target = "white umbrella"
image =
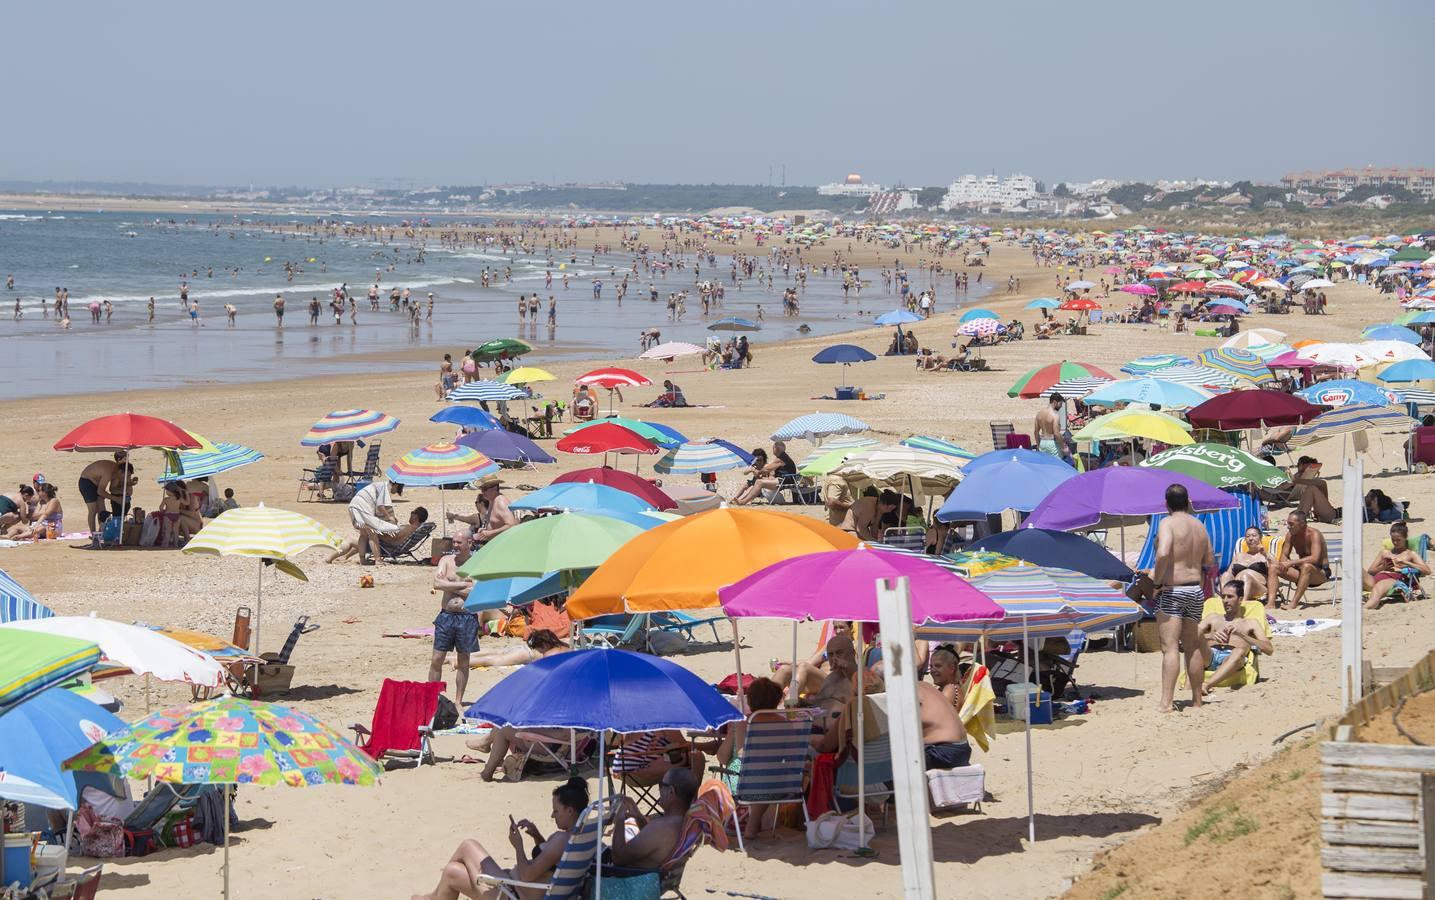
{"points": [[1391, 351], [1341, 355], [1316, 283], [671, 350], [142, 651], [1256, 337]]}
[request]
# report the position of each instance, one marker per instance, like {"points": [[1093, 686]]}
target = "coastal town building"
{"points": [[1419, 181], [989, 191], [851, 186]]}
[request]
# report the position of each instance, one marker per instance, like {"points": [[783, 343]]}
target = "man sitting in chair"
{"points": [[392, 541], [656, 837], [1389, 566], [1228, 637], [1304, 561]]}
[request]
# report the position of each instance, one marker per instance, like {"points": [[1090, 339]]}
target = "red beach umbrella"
{"points": [[127, 431], [1080, 304], [612, 377], [636, 485], [1187, 287], [606, 438], [1251, 409]]}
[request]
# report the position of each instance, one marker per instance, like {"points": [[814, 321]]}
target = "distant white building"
{"points": [[851, 186], [989, 191]]}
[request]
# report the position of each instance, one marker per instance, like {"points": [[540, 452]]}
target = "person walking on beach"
{"points": [[151, 309], [1183, 555], [1048, 427], [552, 312], [279, 310], [313, 310]]}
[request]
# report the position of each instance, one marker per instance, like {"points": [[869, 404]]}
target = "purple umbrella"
{"points": [[505, 446], [840, 585], [1119, 495]]}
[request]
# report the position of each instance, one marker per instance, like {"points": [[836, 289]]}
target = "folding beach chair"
{"points": [[613, 631], [371, 464], [774, 761], [552, 754], [675, 620], [906, 538], [798, 493], [1254, 610], [574, 867], [876, 766], [402, 727], [1000, 430], [85, 886], [409, 548], [1409, 587], [316, 481], [301, 628]]}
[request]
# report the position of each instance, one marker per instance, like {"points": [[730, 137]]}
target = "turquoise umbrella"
{"points": [[978, 313]]}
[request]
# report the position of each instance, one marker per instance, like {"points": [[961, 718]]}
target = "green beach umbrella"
{"points": [[499, 348], [32, 661], [1218, 465], [826, 462], [567, 542], [1039, 379]]}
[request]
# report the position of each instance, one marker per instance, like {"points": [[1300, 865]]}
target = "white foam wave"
{"points": [[355, 288]]}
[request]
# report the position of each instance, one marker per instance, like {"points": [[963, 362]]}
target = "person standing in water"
{"points": [[151, 309], [279, 310]]}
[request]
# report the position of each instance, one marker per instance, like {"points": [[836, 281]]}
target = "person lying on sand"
{"points": [[1229, 637], [540, 643], [471, 859]]}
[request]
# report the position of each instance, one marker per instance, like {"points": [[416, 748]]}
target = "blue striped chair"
{"points": [[774, 761], [574, 866], [1224, 526]]}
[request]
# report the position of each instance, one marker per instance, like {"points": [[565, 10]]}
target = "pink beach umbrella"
{"points": [[1144, 290]]}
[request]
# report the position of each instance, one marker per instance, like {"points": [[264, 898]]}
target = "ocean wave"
{"points": [[18, 217], [355, 288]]}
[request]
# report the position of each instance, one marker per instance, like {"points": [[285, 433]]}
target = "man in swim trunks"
{"points": [[1388, 566], [1048, 427], [944, 740], [1304, 561], [455, 628], [102, 482], [1229, 636], [1183, 554]]}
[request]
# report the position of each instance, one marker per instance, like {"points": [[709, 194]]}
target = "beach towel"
{"points": [[403, 707], [542, 615], [824, 780], [978, 710], [425, 632], [1301, 629], [707, 819]]}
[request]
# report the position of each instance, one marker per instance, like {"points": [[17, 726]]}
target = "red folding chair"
{"points": [[402, 727]]}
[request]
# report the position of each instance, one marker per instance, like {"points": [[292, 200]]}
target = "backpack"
{"points": [[446, 716]]}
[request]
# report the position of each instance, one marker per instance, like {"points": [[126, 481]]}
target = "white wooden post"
{"points": [[914, 830], [1352, 609]]}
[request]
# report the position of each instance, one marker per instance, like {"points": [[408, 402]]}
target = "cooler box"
{"points": [[951, 788], [50, 859], [17, 859], [1023, 700], [845, 393]]}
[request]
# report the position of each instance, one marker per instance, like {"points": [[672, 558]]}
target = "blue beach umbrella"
{"points": [[38, 735], [16, 603], [1002, 480], [978, 313], [1043, 303], [819, 425], [486, 391], [734, 323], [734, 448], [897, 317], [581, 496], [465, 417], [1409, 370], [696, 458], [846, 354], [504, 446], [1391, 333], [1045, 547], [1169, 394], [937, 445], [496, 593], [1345, 391]]}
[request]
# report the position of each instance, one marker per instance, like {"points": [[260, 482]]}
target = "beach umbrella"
{"points": [[1346, 391], [348, 425], [699, 457], [466, 417], [440, 465], [566, 542], [1350, 419], [897, 317], [519, 590], [1238, 362], [1080, 304], [16, 603], [1416, 398], [613, 377], [1391, 333], [505, 447], [206, 460], [30, 663], [139, 649], [623, 481], [662, 435], [973, 315], [907, 469], [1218, 465], [1039, 379], [266, 533], [846, 354], [127, 431], [671, 350], [1045, 547], [487, 392], [1409, 370], [500, 348], [1001, 480], [1240, 410], [1146, 364], [735, 323], [1151, 391], [1043, 303], [819, 425], [980, 328], [1391, 351], [937, 445], [231, 741], [1317, 284], [581, 497], [525, 375], [682, 564], [1075, 388], [604, 690], [1340, 355], [1142, 290], [829, 454], [1080, 286], [1135, 423], [1256, 337], [1119, 496], [1196, 376], [605, 438], [37, 736]]}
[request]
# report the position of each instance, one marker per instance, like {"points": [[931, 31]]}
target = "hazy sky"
{"points": [[322, 93]]}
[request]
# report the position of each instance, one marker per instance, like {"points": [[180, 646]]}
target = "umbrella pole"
{"points": [[598, 856], [737, 655], [442, 511], [1030, 801], [225, 788], [792, 688], [862, 848], [258, 606]]}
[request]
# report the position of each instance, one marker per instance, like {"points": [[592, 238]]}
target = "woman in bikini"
{"points": [[1250, 566], [47, 512]]}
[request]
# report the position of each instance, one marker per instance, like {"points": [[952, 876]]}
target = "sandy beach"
{"points": [[1100, 778]]}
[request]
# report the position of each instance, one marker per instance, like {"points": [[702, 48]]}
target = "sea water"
{"points": [[129, 257]]}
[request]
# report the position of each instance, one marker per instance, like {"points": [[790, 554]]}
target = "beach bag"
{"points": [[446, 716], [833, 831], [149, 533], [100, 837], [140, 841], [110, 531], [182, 833]]}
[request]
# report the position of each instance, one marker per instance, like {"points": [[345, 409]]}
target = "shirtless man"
{"points": [[1048, 427], [102, 482], [1303, 561], [279, 310], [864, 518], [826, 675], [455, 629], [1183, 553], [446, 381], [944, 740], [1385, 570], [1230, 631], [492, 516], [657, 836]]}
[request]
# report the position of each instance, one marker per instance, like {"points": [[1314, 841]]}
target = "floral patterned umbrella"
{"points": [[231, 741]]}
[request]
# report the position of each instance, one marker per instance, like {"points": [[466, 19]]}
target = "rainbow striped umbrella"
{"points": [[1143, 365], [1053, 601], [1238, 362], [440, 464], [1039, 379], [209, 459], [349, 425]]}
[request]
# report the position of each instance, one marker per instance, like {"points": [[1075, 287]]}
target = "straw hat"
{"points": [[488, 480]]}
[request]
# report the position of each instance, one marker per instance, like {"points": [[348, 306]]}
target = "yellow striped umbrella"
{"points": [[265, 533]]}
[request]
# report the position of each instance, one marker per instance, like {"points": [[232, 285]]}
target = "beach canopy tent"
{"points": [[1116, 496]]}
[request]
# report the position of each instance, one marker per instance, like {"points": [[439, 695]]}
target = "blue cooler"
{"points": [[1039, 708], [845, 393], [17, 859]]}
